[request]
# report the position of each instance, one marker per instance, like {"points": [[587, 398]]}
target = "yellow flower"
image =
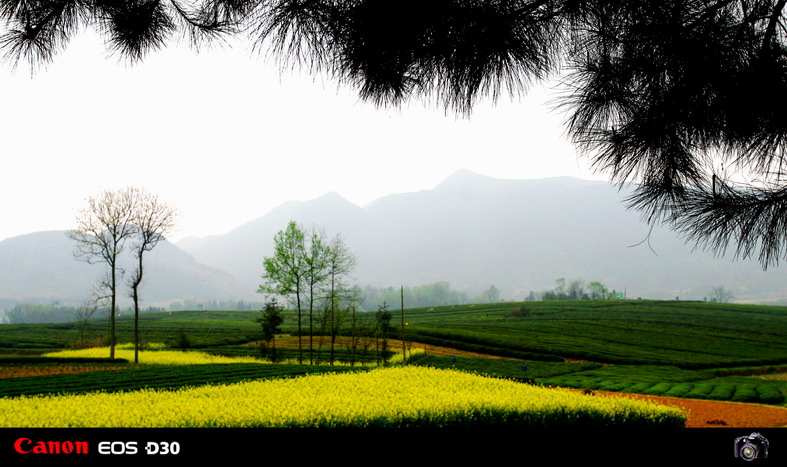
{"points": [[401, 396]]}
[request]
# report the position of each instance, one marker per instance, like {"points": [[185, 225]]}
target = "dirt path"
{"points": [[709, 414]]}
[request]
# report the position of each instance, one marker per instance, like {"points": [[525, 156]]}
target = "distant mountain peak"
{"points": [[464, 177], [332, 197]]}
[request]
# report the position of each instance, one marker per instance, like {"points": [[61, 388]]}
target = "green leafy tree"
{"points": [[490, 295], [286, 271], [383, 327], [271, 321], [598, 291], [560, 289]]}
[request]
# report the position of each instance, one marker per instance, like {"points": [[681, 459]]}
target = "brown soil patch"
{"points": [[712, 414], [573, 360], [291, 342], [23, 371], [447, 351], [779, 376]]}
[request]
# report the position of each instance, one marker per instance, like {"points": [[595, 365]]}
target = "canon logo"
{"points": [[28, 446]]}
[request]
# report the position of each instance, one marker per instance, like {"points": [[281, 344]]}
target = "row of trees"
{"points": [[436, 294], [364, 331], [214, 304], [312, 271], [108, 224], [574, 290], [27, 313]]}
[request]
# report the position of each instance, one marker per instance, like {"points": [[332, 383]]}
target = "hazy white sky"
{"points": [[225, 137]]}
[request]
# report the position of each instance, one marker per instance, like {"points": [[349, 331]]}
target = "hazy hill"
{"points": [[241, 251], [41, 267], [474, 231]]}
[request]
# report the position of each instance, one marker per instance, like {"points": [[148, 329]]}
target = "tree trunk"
{"points": [[300, 345], [112, 316], [353, 341], [137, 281], [404, 350], [273, 348]]}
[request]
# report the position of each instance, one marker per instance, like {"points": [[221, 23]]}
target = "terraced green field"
{"points": [[682, 334], [677, 349], [667, 381], [157, 377]]}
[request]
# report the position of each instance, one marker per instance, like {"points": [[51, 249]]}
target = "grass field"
{"points": [[672, 349], [682, 334]]}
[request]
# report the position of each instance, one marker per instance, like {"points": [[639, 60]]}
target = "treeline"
{"points": [[26, 313], [369, 298], [213, 304], [437, 294], [575, 290]]}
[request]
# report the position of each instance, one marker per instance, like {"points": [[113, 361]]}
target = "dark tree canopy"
{"points": [[683, 98]]}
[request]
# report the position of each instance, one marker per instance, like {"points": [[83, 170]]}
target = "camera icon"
{"points": [[751, 447]]}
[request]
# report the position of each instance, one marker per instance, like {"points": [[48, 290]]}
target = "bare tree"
{"points": [[366, 332], [355, 297], [576, 289], [403, 337], [324, 320], [356, 332], [85, 312], [340, 262], [721, 295], [331, 318], [151, 221], [102, 229]]}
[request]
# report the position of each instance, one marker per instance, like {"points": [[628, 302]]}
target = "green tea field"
{"points": [[699, 351]]}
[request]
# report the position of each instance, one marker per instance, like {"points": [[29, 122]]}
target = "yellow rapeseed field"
{"points": [[390, 397], [158, 355]]}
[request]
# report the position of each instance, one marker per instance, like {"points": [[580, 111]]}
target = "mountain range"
{"points": [[40, 267], [471, 230], [475, 231]]}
